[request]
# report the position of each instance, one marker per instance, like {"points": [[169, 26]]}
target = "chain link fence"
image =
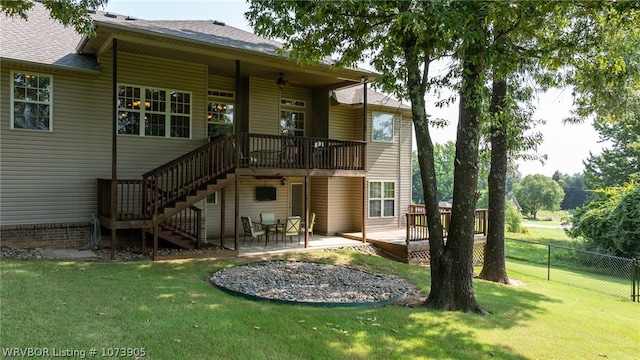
{"points": [[605, 274]]}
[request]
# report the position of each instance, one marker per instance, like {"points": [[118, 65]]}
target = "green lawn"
{"points": [[168, 309], [550, 218]]}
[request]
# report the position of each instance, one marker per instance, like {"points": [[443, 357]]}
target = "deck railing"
{"points": [[291, 152], [123, 199], [417, 222], [184, 175], [120, 200], [187, 222]]}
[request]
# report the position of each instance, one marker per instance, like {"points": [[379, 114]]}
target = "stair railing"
{"points": [[187, 223], [184, 175]]}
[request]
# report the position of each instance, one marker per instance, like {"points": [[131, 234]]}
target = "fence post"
{"points": [[548, 262], [635, 284]]}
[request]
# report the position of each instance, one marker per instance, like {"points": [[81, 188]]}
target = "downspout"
{"points": [[364, 160]]}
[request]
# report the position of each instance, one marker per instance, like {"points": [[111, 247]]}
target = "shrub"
{"points": [[610, 222], [513, 219]]}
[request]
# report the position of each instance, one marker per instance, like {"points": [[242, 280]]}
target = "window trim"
{"points": [[381, 199], [212, 199], [393, 118], [168, 114], [12, 101], [294, 106], [223, 97]]}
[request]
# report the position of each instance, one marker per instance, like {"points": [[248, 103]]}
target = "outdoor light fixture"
{"points": [[281, 82]]}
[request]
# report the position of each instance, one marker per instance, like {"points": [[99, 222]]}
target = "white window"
{"points": [[382, 196], [220, 113], [292, 114], [382, 127], [213, 198], [31, 101], [165, 113]]}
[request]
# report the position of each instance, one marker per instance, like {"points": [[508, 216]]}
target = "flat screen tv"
{"points": [[265, 193]]}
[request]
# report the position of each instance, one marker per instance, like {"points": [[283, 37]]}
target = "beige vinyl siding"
{"points": [[139, 154], [221, 83], [383, 165], [320, 203], [263, 107], [405, 167], [344, 204], [249, 206], [49, 177], [344, 123], [297, 93], [319, 117]]}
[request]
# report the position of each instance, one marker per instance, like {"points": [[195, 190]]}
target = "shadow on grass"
{"points": [[170, 310]]}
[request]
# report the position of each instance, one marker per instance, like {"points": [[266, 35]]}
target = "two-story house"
{"points": [[190, 124]]}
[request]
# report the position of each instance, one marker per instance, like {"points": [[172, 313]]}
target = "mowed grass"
{"points": [[169, 309]]}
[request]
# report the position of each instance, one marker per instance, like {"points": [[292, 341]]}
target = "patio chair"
{"points": [[313, 221], [291, 228], [251, 231], [268, 222]]}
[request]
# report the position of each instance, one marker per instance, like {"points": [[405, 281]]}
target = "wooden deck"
{"points": [[395, 245], [172, 189]]}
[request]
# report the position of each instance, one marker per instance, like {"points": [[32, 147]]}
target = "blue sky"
{"points": [[565, 145]]}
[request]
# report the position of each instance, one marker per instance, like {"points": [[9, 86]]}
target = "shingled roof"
{"points": [[45, 41], [353, 95], [205, 31]]}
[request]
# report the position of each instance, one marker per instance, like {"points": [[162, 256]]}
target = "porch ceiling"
{"points": [[221, 60]]}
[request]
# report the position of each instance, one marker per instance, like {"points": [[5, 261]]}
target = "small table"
{"points": [[267, 225]]}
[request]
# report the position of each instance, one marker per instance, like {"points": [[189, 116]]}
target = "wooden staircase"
{"points": [[181, 183]]}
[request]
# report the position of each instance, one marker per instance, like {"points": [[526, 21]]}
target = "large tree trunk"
{"points": [[494, 268], [452, 267], [417, 83]]}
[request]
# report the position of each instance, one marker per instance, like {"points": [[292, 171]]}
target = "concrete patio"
{"points": [[319, 242]]}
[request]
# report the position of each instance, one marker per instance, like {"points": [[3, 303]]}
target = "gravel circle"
{"points": [[312, 284]]}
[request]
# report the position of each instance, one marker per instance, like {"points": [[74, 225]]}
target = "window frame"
{"points": [[220, 97], [212, 199], [293, 106], [381, 199], [373, 127], [168, 114], [13, 100]]}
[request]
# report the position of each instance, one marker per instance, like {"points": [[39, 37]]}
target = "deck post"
{"points": [[307, 212], [237, 213], [114, 142], [114, 217], [155, 242], [199, 229], [364, 160], [223, 215], [364, 209], [408, 228], [364, 122], [144, 240]]}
